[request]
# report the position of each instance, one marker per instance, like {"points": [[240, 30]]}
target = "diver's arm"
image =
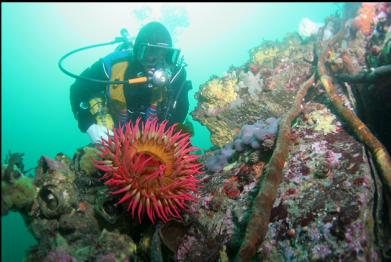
{"points": [[83, 91]]}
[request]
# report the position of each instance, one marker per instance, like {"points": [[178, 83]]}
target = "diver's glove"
{"points": [[97, 132]]}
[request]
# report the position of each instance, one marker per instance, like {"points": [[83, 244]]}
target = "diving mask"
{"points": [[154, 55]]}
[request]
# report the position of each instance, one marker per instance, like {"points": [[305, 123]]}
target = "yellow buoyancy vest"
{"points": [[117, 95]]}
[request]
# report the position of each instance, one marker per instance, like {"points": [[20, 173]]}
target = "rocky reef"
{"points": [[262, 88], [300, 170]]}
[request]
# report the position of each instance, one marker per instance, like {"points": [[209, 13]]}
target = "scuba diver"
{"points": [[144, 80]]}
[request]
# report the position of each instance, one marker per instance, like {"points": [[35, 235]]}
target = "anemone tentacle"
{"points": [[151, 168]]}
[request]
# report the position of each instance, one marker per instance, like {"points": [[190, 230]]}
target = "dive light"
{"points": [[160, 78]]}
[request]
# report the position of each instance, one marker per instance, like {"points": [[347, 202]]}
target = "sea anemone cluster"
{"points": [[369, 15], [151, 167], [259, 135]]}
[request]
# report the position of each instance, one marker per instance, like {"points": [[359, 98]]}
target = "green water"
{"points": [[36, 113]]}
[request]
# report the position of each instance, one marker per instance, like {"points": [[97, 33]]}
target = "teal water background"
{"points": [[36, 116]]}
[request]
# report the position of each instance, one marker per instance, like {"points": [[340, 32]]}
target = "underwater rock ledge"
{"points": [[331, 204]]}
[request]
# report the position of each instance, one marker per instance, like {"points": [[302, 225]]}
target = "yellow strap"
{"points": [[117, 90]]}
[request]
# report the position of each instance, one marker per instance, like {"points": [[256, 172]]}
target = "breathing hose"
{"points": [[124, 39]]}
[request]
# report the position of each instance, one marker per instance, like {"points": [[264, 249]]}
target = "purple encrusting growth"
{"points": [[216, 163], [251, 136], [219, 160], [110, 257], [320, 202], [254, 135], [59, 255]]}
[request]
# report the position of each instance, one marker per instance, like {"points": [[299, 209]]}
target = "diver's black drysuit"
{"points": [[173, 102], [138, 96]]}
